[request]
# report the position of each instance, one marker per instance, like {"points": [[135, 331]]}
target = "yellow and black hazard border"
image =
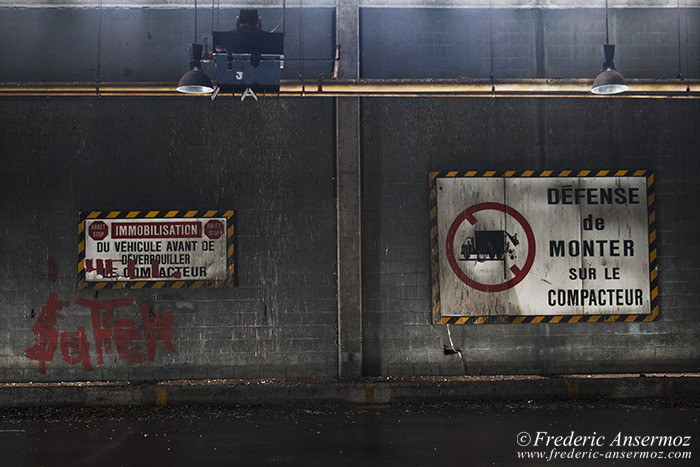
{"points": [[175, 284], [437, 318]]}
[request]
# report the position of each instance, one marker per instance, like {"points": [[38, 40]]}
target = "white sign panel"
{"points": [[156, 249], [543, 246]]}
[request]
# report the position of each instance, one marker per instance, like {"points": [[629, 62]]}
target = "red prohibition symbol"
{"points": [[518, 273]]}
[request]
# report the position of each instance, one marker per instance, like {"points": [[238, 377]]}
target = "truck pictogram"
{"points": [[489, 245]]}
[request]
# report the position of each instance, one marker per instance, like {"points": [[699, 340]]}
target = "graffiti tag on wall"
{"points": [[124, 335]]}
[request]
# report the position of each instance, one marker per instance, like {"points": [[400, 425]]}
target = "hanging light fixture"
{"points": [[195, 81], [609, 81]]}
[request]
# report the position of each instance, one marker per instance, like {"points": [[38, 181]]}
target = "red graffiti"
{"points": [[46, 334], [102, 313], [123, 334], [103, 268], [51, 273], [106, 269], [75, 348]]}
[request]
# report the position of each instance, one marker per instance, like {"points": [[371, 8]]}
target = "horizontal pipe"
{"points": [[380, 88]]}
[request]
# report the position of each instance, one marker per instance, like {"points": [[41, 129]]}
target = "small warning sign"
{"points": [[168, 248], [214, 229], [97, 230]]}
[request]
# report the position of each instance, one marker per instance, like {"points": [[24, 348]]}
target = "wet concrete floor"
{"points": [[442, 434]]}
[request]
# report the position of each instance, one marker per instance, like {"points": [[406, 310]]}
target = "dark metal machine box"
{"points": [[248, 59], [237, 72]]}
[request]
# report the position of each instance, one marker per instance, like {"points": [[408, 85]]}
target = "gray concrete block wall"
{"points": [[61, 44], [141, 44], [271, 162], [427, 43], [404, 140], [646, 42], [527, 43]]}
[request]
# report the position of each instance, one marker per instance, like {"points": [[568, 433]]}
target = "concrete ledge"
{"points": [[366, 391]]}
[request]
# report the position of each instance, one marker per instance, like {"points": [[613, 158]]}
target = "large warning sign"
{"points": [[155, 248], [543, 247]]}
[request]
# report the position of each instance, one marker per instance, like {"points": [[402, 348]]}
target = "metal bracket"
{"points": [[248, 92]]}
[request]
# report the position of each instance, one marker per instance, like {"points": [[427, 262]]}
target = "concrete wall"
{"points": [[403, 140], [141, 44], [527, 43], [272, 162]]}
